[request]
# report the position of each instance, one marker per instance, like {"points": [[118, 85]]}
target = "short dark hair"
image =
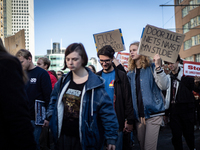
{"points": [[107, 50], [79, 48], [46, 61], [24, 53]]}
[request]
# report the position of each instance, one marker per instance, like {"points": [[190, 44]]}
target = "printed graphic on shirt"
{"points": [[111, 85], [33, 81], [71, 101]]}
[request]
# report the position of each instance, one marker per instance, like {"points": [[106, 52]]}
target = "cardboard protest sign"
{"points": [[123, 59], [191, 68], [113, 38], [160, 41], [15, 42]]}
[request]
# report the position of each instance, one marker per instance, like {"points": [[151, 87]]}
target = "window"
{"points": [[192, 3], [197, 57], [185, 11], [187, 44], [186, 27], [189, 58], [194, 40], [193, 22]]}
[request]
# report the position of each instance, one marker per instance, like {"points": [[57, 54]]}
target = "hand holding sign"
{"points": [[160, 41], [157, 60]]}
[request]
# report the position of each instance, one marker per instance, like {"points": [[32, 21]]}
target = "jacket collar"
{"points": [[90, 84]]}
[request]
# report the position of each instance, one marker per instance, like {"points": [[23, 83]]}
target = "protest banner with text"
{"points": [[122, 57], [160, 41], [191, 68], [113, 38]]}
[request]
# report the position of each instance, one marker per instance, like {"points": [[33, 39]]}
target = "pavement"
{"points": [[164, 140]]}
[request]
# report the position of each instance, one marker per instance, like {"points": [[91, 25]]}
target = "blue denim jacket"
{"points": [[151, 84], [97, 118]]}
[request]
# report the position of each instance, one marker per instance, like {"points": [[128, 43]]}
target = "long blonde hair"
{"points": [[144, 60]]}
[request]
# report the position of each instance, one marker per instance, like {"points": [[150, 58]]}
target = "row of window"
{"points": [[191, 58], [186, 10], [20, 27], [24, 21], [19, 10], [20, 16], [17, 29], [193, 23], [195, 40], [20, 1], [19, 5], [20, 13]]}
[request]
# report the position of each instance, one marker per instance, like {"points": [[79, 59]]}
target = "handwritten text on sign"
{"points": [[191, 68], [113, 38], [160, 41]]}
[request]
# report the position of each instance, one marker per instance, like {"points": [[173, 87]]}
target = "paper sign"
{"points": [[191, 68], [160, 41], [15, 42], [123, 59], [113, 38], [40, 112]]}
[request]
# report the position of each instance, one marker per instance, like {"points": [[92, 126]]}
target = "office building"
{"points": [[187, 19], [1, 22], [18, 15]]}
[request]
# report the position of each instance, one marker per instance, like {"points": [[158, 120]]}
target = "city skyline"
{"points": [[77, 21]]}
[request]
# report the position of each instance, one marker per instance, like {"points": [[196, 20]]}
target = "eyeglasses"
{"points": [[59, 74], [106, 61]]}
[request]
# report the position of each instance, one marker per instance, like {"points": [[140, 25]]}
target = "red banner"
{"points": [[191, 68]]}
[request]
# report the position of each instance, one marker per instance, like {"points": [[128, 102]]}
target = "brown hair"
{"points": [[46, 61], [79, 48], [24, 53], [144, 60]]}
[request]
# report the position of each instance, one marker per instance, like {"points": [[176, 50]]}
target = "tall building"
{"points": [[1, 22], [18, 15], [56, 56], [188, 22], [7, 11]]}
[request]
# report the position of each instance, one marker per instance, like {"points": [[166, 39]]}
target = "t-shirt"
{"points": [[139, 94], [38, 88], [109, 83], [72, 100]]}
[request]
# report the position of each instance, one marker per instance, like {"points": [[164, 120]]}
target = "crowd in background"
{"points": [[91, 110]]}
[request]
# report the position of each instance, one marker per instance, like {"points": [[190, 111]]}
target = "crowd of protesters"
{"points": [[89, 110]]}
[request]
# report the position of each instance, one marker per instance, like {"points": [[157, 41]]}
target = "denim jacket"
{"points": [[151, 84], [97, 118]]}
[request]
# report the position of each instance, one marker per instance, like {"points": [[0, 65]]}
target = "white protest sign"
{"points": [[160, 41], [113, 38], [191, 68], [122, 57]]}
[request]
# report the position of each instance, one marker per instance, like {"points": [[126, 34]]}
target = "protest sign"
{"points": [[123, 59], [160, 41], [113, 38], [15, 42], [40, 112], [191, 68]]}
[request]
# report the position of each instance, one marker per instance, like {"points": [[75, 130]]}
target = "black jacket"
{"points": [[123, 103], [16, 130]]}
